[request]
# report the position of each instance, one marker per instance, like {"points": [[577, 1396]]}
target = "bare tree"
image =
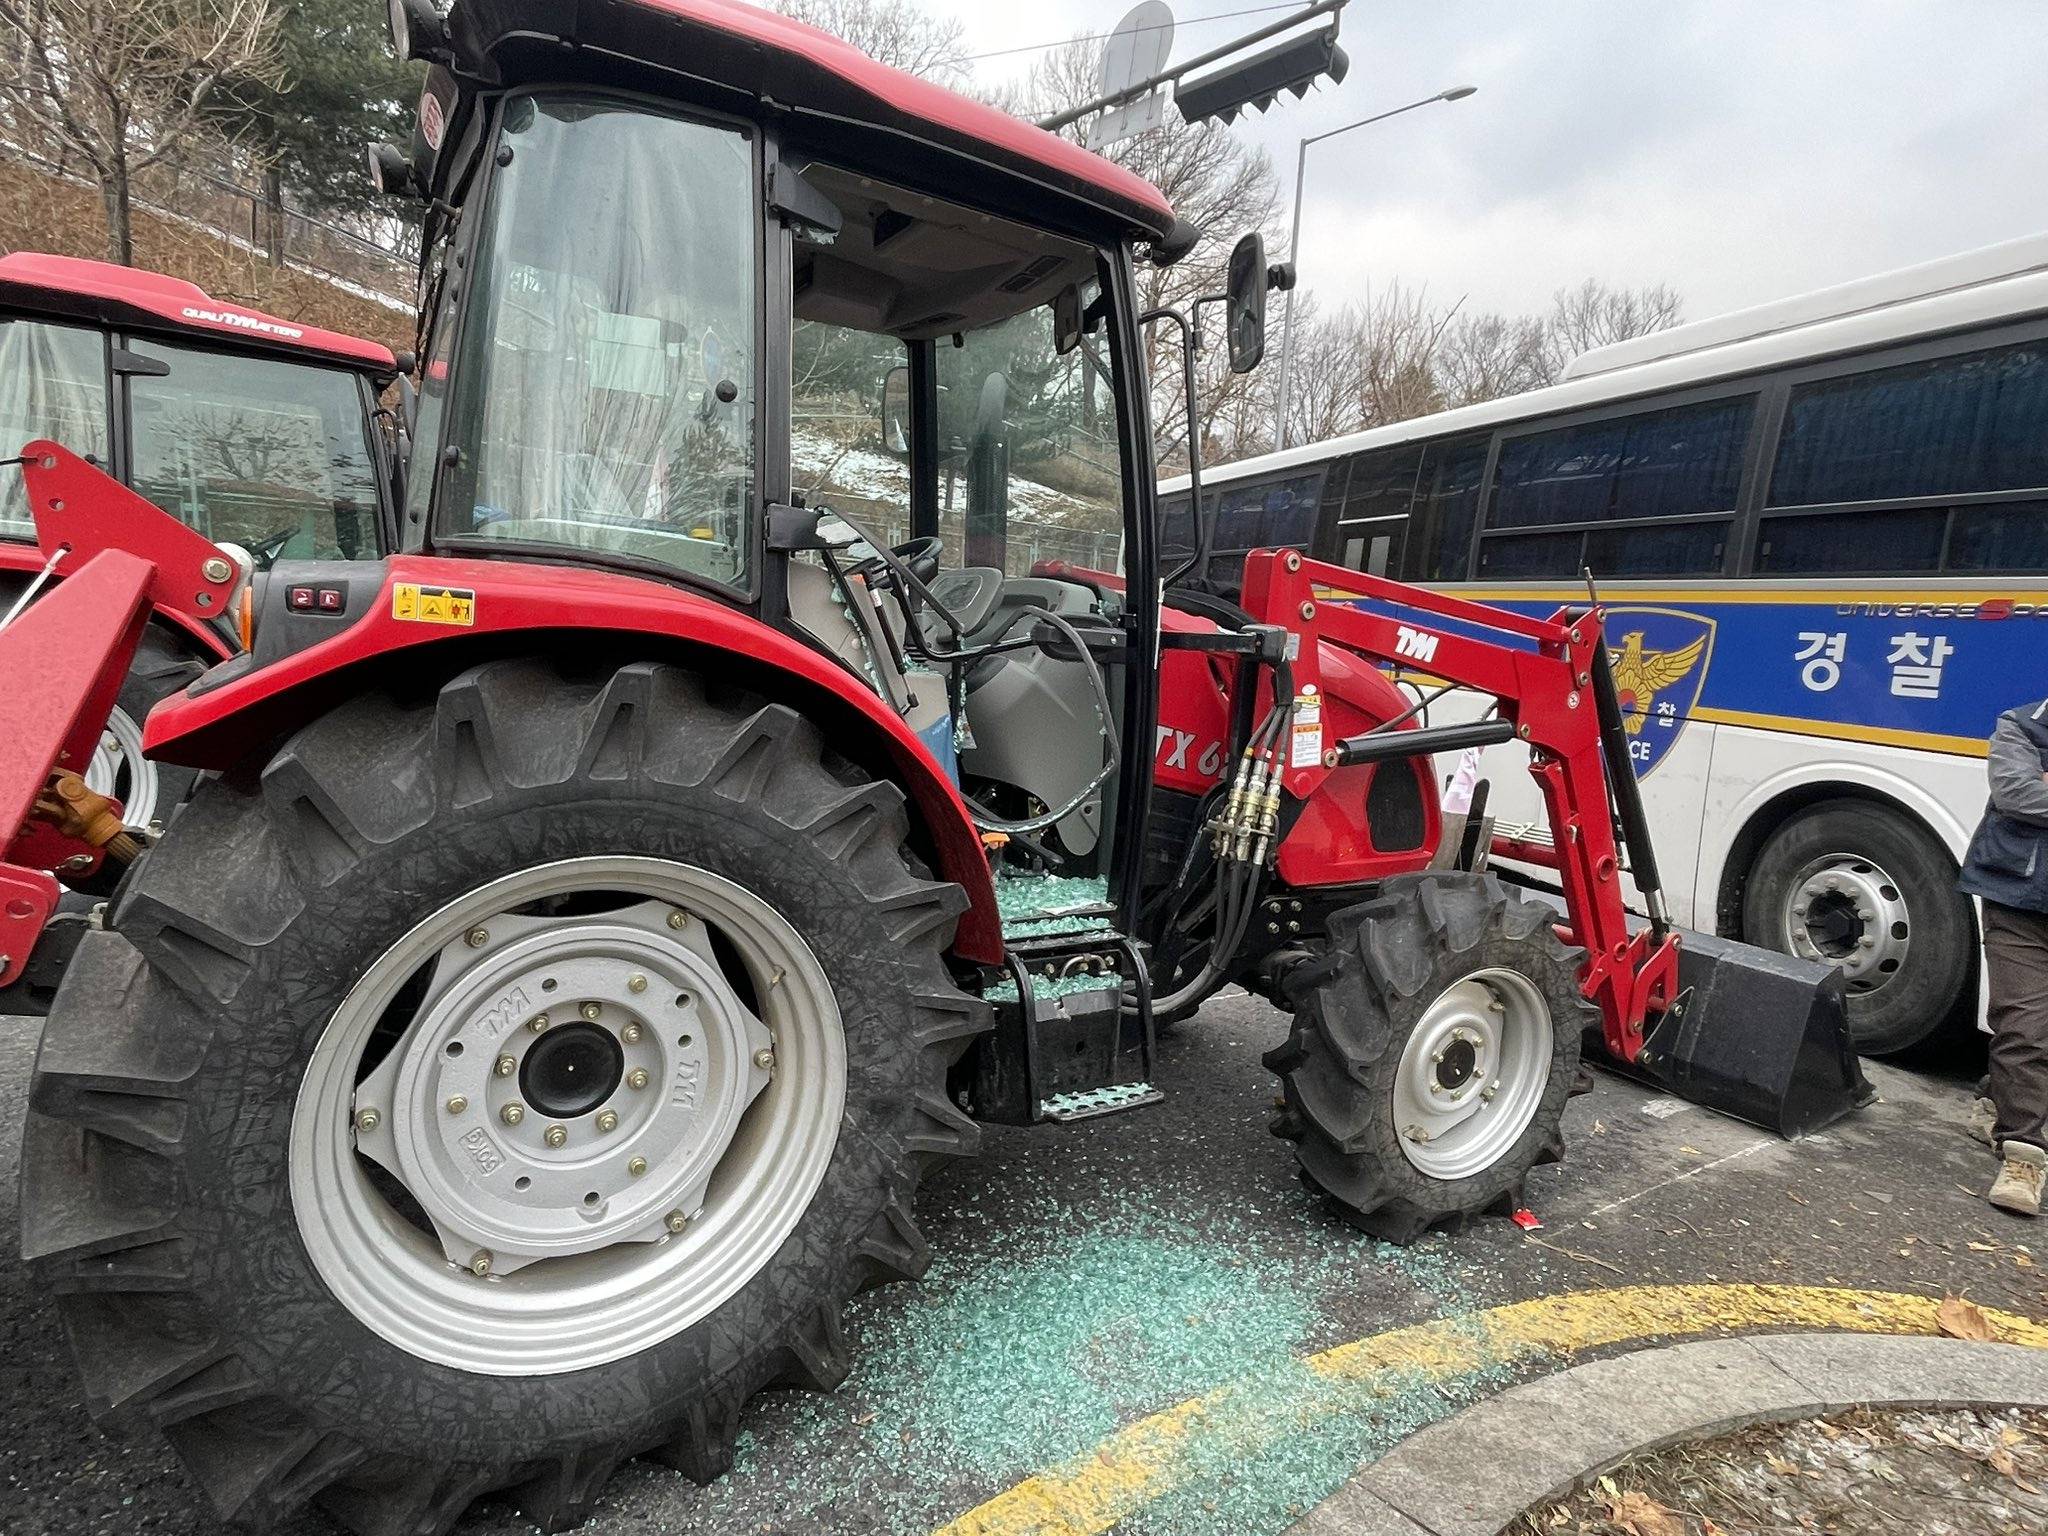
{"points": [[1485, 356], [1215, 181], [899, 33], [1594, 315], [120, 84]]}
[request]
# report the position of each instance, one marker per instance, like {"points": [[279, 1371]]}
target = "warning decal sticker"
{"points": [[414, 604], [1308, 730]]}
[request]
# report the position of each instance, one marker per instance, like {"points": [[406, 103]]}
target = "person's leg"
{"points": [[2016, 963], [2016, 966]]}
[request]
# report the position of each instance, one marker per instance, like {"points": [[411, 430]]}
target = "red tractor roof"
{"points": [[820, 76], [148, 301]]}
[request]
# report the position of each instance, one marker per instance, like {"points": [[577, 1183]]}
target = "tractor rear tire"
{"points": [[198, 1185], [1434, 1045]]}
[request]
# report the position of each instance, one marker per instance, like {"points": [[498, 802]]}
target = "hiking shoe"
{"points": [[1982, 1122], [2018, 1186]]}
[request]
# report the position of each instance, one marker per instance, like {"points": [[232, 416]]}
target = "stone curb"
{"points": [[1473, 1473]]}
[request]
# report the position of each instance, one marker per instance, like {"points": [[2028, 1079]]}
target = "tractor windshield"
{"points": [[608, 359]]}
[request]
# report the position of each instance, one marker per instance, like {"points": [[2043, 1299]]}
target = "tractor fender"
{"points": [[434, 613]]}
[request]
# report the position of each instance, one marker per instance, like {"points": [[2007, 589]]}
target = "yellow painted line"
{"points": [[1158, 1454]]}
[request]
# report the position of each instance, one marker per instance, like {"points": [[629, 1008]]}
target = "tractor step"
{"points": [[1099, 1101]]}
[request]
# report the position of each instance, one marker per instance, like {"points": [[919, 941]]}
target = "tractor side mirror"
{"points": [[896, 411], [1067, 321], [1245, 328]]}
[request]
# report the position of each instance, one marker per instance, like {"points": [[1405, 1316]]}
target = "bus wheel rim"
{"points": [[472, 1200], [1844, 909], [1473, 1074]]}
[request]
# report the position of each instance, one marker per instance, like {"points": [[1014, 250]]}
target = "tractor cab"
{"points": [[760, 353]]}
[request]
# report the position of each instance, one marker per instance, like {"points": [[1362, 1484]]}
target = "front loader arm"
{"points": [[65, 655], [1544, 674]]}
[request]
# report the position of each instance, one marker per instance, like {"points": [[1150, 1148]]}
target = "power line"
{"points": [[1096, 37]]}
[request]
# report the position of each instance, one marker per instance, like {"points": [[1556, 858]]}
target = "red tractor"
{"points": [[262, 433], [595, 920]]}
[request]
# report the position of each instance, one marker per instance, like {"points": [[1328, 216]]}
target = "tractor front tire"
{"points": [[272, 1111], [1434, 1044]]}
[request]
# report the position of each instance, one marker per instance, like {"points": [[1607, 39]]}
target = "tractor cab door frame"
{"points": [[1122, 351], [454, 394]]}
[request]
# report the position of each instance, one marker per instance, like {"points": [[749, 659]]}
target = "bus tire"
{"points": [[1859, 884]]}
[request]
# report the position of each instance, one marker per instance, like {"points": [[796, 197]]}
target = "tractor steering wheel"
{"points": [[921, 555]]}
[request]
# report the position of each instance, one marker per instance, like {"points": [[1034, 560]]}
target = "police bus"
{"points": [[1820, 527]]}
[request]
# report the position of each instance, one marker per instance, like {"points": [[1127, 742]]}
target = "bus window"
{"points": [[1682, 462], [266, 454], [1953, 426], [53, 384], [2010, 536], [1381, 483], [1852, 543], [1446, 508]]}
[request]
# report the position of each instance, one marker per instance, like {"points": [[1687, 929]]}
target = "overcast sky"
{"points": [[1739, 150]]}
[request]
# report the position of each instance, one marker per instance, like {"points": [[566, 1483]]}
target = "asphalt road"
{"points": [[1091, 1274]]}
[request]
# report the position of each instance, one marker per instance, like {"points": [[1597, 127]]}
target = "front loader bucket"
{"points": [[1757, 1035]]}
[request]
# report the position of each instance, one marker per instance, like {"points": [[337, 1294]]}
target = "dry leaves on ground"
{"points": [[1961, 1318], [1641, 1515]]}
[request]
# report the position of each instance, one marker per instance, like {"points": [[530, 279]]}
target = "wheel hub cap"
{"points": [[606, 1090], [1846, 911], [1472, 1074], [547, 1181], [571, 1071]]}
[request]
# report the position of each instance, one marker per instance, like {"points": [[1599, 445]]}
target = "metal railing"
{"points": [[240, 213]]}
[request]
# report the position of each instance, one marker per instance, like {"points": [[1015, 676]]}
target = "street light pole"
{"points": [[1455, 93]]}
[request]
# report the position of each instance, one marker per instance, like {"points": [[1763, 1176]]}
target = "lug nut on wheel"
{"points": [[479, 937], [630, 1034], [555, 1135], [636, 1166], [676, 1221], [507, 1065], [764, 1058], [637, 1078], [512, 1114], [480, 1263], [590, 1011], [537, 1023], [368, 1120], [457, 1104], [608, 1122], [636, 983], [679, 920]]}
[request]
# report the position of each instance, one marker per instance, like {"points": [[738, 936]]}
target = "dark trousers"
{"points": [[2016, 963]]}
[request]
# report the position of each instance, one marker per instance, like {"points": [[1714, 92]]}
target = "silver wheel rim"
{"points": [[1844, 910], [119, 769], [1472, 1074], [712, 1161]]}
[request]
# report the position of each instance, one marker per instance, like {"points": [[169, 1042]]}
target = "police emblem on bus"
{"points": [[1660, 658]]}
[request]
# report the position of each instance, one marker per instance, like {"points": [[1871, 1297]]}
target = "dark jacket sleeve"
{"points": [[2017, 787]]}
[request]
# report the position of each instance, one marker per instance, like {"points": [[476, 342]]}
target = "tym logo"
{"points": [[508, 1012], [1417, 643]]}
